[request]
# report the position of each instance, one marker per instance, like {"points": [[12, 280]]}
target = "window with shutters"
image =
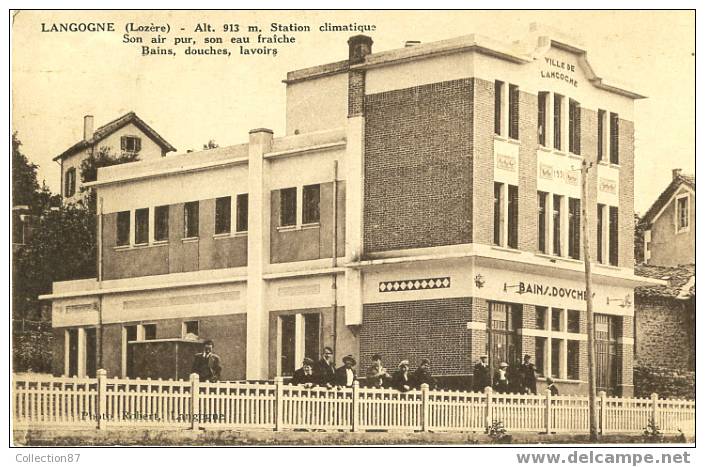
{"points": [[614, 138], [70, 182], [614, 236], [542, 115], [242, 213], [191, 219], [601, 116], [682, 213], [123, 228], [131, 144], [222, 215], [574, 127], [574, 228], [513, 111], [542, 221], [557, 108], [141, 226]]}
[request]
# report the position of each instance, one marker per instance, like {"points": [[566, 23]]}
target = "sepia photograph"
{"points": [[353, 228]]}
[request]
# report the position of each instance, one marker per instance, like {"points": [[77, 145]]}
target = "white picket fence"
{"points": [[46, 402]]}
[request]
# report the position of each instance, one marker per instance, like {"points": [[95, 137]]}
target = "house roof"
{"points": [[680, 281], [102, 132], [665, 196]]}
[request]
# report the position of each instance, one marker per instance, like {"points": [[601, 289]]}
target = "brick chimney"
{"points": [[676, 173], [359, 47], [87, 127]]}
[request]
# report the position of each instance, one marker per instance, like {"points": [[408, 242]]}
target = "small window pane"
{"points": [[287, 203], [222, 215], [574, 321], [191, 219], [541, 317], [542, 201], [311, 208], [161, 223], [555, 358], [540, 355], [573, 359], [150, 332], [191, 327], [242, 213], [142, 226], [556, 319], [123, 228]]}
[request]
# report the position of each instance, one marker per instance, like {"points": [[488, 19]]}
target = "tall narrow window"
{"points": [[130, 336], [242, 212], [287, 342], [222, 215], [573, 360], [72, 344], [543, 102], [542, 204], [557, 201], [191, 219], [614, 138], [498, 86], [540, 355], [512, 216], [123, 228], [682, 213], [513, 111], [161, 223], [600, 237], [574, 321], [574, 228], [287, 206], [556, 357], [557, 107], [600, 134], [91, 352], [141, 226], [312, 335], [574, 126], [311, 204], [70, 182], [614, 236], [498, 227], [541, 317]]}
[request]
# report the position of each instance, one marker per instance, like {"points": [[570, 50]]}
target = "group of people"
{"points": [[520, 379], [324, 373]]}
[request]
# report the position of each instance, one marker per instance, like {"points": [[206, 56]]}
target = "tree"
{"points": [[89, 171], [26, 190], [639, 229]]}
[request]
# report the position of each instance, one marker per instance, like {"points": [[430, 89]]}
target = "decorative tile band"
{"points": [[415, 284]]}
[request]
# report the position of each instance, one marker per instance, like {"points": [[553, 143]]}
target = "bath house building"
{"points": [[423, 203]]}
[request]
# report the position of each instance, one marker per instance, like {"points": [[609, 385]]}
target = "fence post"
{"points": [[654, 407], [279, 402], [549, 419], [102, 399], [355, 405], [424, 407], [603, 412], [194, 401], [488, 407]]}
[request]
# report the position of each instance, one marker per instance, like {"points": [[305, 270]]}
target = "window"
{"points": [[614, 138], [557, 106], [556, 319], [287, 205], [513, 111], [511, 209], [129, 335], [682, 213], [556, 357], [557, 352], [91, 352], [574, 126], [543, 102], [191, 219], [123, 228], [311, 207], [614, 235], [498, 89], [601, 114], [557, 201], [503, 340], [241, 222], [161, 223], [71, 366], [149, 332], [574, 321], [540, 355], [131, 144], [70, 182], [190, 327], [513, 216], [222, 215], [299, 337], [542, 201], [541, 317], [498, 204], [600, 236], [573, 370], [141, 226], [574, 228]]}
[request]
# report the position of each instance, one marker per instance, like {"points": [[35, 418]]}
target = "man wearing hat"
{"points": [[402, 379], [304, 376], [422, 375], [377, 376], [207, 364], [345, 375], [501, 378], [527, 372], [325, 370], [481, 375]]}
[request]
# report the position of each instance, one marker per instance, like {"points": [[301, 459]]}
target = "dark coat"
{"points": [[502, 385], [420, 377], [528, 377], [554, 390], [398, 381], [325, 373], [208, 368], [341, 376], [302, 378], [376, 380], [481, 377]]}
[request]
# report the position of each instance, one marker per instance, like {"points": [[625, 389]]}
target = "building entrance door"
{"points": [[606, 353], [503, 344]]}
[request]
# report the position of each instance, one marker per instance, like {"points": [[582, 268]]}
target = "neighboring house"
{"points": [[128, 134], [442, 179], [664, 320], [669, 224]]}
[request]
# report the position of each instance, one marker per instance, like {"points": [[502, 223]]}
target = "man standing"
{"points": [[501, 378], [304, 376], [528, 375], [481, 375], [377, 375], [551, 386], [422, 375], [325, 369], [345, 375], [401, 380], [207, 364]]}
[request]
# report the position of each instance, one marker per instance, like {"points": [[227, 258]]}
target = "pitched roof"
{"points": [[681, 281], [111, 127], [688, 180]]}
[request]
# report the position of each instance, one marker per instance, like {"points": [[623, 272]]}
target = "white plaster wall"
{"points": [[318, 104]]}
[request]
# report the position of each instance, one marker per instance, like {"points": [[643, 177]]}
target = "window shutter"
{"points": [[138, 144], [576, 144], [123, 143]]}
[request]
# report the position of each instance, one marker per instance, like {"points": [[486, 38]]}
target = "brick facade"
{"points": [[626, 194], [418, 167], [483, 161]]}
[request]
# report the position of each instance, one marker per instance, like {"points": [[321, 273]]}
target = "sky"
{"points": [[57, 78]]}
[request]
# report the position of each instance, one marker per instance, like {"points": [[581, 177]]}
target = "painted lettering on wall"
{"points": [[551, 291], [559, 70]]}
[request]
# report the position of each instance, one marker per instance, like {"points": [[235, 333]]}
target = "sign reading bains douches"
{"points": [[559, 70], [551, 290]]}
